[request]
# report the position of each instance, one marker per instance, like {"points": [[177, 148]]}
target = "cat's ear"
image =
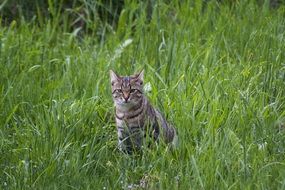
{"points": [[140, 75], [114, 77]]}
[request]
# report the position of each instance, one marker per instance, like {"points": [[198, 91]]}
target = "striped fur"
{"points": [[136, 119]]}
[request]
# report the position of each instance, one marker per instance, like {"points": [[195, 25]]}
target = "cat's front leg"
{"points": [[120, 139]]}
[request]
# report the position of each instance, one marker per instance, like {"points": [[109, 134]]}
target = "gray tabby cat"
{"points": [[136, 119]]}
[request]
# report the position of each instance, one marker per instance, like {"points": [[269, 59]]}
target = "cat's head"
{"points": [[127, 90]]}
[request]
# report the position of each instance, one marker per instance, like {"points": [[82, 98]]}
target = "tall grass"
{"points": [[216, 71]]}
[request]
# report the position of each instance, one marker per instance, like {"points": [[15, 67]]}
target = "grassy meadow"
{"points": [[217, 71]]}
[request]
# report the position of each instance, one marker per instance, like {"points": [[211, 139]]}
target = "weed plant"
{"points": [[216, 71]]}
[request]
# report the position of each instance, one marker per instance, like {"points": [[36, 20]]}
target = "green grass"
{"points": [[217, 74]]}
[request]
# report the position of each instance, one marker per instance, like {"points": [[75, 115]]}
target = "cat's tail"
{"points": [[175, 140]]}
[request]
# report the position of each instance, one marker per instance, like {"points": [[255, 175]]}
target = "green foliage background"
{"points": [[217, 71]]}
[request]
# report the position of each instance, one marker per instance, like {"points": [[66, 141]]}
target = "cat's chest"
{"points": [[135, 118], [132, 122]]}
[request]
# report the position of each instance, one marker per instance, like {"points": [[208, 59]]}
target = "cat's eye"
{"points": [[119, 90], [133, 90]]}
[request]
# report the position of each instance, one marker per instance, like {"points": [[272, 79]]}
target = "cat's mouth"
{"points": [[126, 104]]}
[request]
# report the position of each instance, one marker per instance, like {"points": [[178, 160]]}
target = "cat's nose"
{"points": [[126, 98]]}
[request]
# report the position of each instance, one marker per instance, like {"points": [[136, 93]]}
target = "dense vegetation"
{"points": [[216, 70]]}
